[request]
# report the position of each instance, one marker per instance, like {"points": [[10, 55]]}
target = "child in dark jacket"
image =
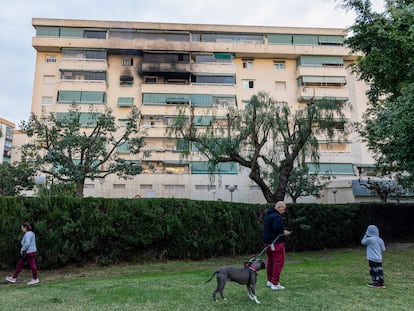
{"points": [[375, 247]]}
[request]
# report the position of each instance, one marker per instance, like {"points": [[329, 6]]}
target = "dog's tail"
{"points": [[215, 272]]}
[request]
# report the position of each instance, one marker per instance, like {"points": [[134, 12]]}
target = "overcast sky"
{"points": [[17, 57]]}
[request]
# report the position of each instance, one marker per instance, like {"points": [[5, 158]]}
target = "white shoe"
{"points": [[277, 287], [268, 283], [33, 282], [11, 279]]}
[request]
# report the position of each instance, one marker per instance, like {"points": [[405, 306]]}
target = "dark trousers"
{"points": [[375, 270], [30, 258], [275, 262]]}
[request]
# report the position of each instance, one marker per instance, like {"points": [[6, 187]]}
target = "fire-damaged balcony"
{"points": [[161, 64]]}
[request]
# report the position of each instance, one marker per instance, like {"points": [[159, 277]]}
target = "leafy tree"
{"points": [[72, 149], [15, 178], [266, 137], [302, 184], [386, 41], [384, 188]]}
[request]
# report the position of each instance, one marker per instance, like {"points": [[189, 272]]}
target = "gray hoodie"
{"points": [[375, 245]]}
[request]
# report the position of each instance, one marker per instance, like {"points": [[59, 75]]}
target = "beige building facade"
{"points": [[156, 66], [6, 140]]}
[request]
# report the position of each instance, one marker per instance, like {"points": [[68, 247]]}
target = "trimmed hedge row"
{"points": [[77, 231]]}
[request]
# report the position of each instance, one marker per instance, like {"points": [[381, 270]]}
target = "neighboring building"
{"points": [[156, 66], [6, 140]]}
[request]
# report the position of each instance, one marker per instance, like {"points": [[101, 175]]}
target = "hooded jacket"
{"points": [[375, 245]]}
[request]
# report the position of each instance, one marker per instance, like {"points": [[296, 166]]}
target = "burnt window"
{"points": [[126, 80]]}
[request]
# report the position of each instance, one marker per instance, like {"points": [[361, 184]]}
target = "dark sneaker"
{"points": [[380, 285], [372, 284]]}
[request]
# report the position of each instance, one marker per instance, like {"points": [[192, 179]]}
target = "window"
{"points": [[280, 85], [119, 186], [127, 61], [50, 59], [94, 34], [125, 101], [145, 186], [321, 81], [248, 84], [205, 187], [126, 80], [248, 64], [49, 79], [213, 79], [174, 187], [47, 100], [82, 97], [150, 80], [279, 65]]}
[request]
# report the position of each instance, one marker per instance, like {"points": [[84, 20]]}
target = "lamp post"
{"points": [[231, 188], [334, 191]]}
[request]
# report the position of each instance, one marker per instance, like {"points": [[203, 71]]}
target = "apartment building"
{"points": [[156, 66], [6, 140]]}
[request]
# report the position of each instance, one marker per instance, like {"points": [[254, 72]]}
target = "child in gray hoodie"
{"points": [[375, 247]]}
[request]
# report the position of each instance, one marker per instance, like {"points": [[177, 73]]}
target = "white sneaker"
{"points": [[33, 282], [11, 279], [277, 287], [268, 283]]}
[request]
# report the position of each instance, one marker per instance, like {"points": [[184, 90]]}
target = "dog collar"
{"points": [[253, 268]]}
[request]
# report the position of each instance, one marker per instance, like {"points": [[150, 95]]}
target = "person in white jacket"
{"points": [[28, 253], [375, 247]]}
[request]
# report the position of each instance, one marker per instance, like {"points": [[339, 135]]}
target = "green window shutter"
{"points": [[202, 100], [86, 119], [44, 31], [177, 98], [89, 119], [205, 167], [163, 99], [331, 168], [71, 32], [125, 101], [66, 97], [123, 148], [321, 98], [227, 168], [203, 120], [332, 60], [318, 61], [305, 40], [90, 97], [279, 39], [182, 145], [202, 167], [336, 40], [341, 80], [153, 99], [223, 56], [312, 61]]}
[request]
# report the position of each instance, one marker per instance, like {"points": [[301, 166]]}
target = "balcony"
{"points": [[164, 68], [321, 71], [318, 93]]}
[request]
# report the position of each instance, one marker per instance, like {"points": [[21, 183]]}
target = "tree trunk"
{"points": [[79, 187]]}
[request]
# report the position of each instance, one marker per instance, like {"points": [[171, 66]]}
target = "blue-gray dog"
{"points": [[246, 275]]}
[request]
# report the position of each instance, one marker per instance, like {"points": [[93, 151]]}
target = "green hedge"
{"points": [[78, 231]]}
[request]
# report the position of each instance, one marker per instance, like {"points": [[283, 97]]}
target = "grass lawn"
{"points": [[326, 280]]}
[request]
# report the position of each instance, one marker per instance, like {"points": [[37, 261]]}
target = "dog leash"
{"points": [[265, 248]]}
